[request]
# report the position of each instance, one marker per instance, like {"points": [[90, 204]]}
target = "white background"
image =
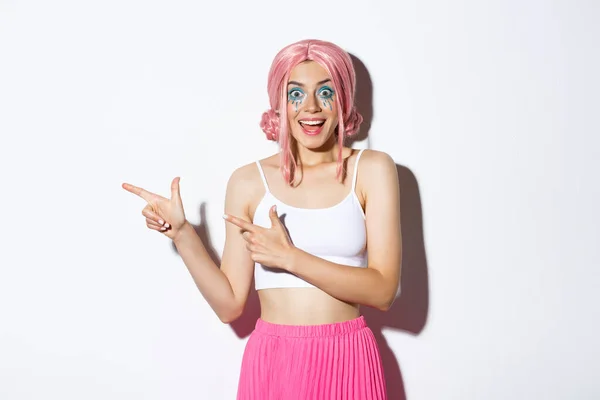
{"points": [[490, 109]]}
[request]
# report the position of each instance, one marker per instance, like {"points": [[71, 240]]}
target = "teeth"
{"points": [[312, 122]]}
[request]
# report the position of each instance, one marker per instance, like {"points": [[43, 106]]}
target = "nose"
{"points": [[312, 104]]}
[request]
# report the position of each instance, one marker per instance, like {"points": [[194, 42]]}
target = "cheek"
{"points": [[329, 106], [294, 106], [292, 109], [333, 116], [291, 114], [332, 113]]}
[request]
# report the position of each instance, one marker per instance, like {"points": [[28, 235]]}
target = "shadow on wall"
{"points": [[409, 311]]}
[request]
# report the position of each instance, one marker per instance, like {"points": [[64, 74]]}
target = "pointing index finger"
{"points": [[245, 225], [144, 194]]}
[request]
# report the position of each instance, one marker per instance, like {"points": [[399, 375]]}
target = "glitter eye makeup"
{"points": [[296, 96], [326, 94]]}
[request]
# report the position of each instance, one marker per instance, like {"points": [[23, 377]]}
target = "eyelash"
{"points": [[329, 96], [295, 98]]}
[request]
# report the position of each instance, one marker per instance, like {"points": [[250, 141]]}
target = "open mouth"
{"points": [[312, 126]]}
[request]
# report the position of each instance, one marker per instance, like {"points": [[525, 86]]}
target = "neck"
{"points": [[325, 154]]}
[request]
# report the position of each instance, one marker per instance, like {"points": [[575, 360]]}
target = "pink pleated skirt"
{"points": [[338, 361]]}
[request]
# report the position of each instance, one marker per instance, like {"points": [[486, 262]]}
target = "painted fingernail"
{"points": [[167, 226], [224, 216], [163, 229], [160, 221]]}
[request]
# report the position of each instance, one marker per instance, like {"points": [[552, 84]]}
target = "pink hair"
{"points": [[338, 65]]}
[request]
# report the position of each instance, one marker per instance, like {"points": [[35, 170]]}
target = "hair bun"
{"points": [[269, 123], [353, 122]]}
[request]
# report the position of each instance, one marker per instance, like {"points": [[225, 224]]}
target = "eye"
{"points": [[295, 94], [326, 92]]}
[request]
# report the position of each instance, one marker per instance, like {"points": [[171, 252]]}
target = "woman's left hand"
{"points": [[272, 246]]}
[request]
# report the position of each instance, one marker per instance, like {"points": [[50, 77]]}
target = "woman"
{"points": [[300, 221]]}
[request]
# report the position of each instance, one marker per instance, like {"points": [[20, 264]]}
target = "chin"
{"points": [[312, 142]]}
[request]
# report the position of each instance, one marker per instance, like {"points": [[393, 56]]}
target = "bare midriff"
{"points": [[304, 306]]}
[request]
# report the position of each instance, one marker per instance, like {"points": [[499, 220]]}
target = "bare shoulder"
{"points": [[244, 179], [245, 188], [377, 174], [374, 163], [242, 189], [249, 176]]}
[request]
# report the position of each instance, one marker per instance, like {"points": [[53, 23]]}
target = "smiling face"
{"points": [[311, 110]]}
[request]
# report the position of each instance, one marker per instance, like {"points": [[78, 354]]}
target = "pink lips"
{"points": [[312, 132]]}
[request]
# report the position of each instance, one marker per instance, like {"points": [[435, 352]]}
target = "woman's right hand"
{"points": [[162, 214]]}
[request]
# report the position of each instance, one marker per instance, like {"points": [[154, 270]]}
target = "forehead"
{"points": [[308, 72]]}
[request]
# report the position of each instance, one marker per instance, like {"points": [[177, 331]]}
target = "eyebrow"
{"points": [[301, 85]]}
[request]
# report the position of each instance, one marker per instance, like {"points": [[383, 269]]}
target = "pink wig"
{"points": [[338, 65]]}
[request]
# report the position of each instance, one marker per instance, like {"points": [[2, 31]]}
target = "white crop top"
{"points": [[337, 233]]}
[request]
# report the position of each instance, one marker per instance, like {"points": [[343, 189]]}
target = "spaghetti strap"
{"points": [[356, 169], [262, 175]]}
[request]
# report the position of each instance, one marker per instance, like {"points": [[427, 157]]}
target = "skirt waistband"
{"points": [[334, 329]]}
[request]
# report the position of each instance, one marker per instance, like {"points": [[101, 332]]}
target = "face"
{"points": [[312, 114]]}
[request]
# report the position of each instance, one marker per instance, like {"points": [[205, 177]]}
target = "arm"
{"points": [[375, 286], [225, 289]]}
